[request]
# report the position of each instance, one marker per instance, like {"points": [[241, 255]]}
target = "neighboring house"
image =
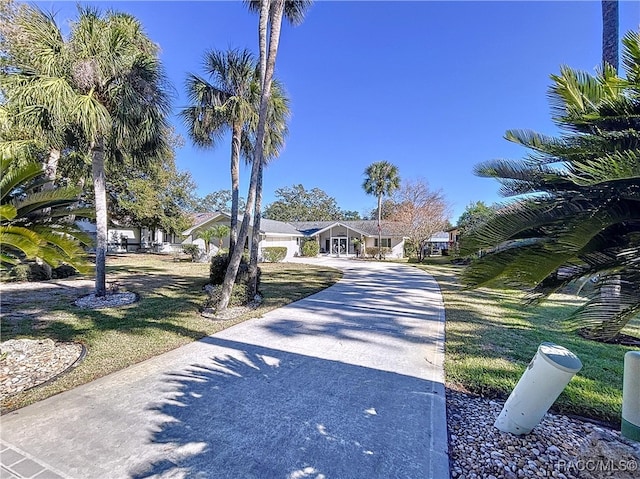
{"points": [[334, 237], [438, 243], [126, 239]]}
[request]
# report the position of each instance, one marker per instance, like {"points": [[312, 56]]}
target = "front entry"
{"points": [[339, 246]]}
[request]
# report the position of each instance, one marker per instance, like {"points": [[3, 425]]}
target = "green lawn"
{"points": [[491, 337], [166, 316]]}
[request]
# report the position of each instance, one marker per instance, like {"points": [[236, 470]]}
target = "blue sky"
{"points": [[429, 86]]}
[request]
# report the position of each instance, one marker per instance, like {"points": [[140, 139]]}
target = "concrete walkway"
{"points": [[345, 384]]}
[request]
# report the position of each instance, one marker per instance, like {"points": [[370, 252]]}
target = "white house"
{"points": [[334, 237]]}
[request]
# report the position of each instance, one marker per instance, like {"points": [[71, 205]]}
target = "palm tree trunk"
{"points": [[235, 183], [610, 26], [255, 239], [51, 168], [100, 193], [274, 38], [379, 227]]}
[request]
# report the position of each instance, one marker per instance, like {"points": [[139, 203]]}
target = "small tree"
{"points": [[207, 235], [422, 212], [219, 232]]}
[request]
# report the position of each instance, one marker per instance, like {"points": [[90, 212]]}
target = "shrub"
{"points": [[239, 296], [310, 248], [192, 250], [63, 271], [21, 272], [274, 254], [374, 251], [40, 272], [218, 269]]}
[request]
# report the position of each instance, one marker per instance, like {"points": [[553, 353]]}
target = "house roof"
{"points": [[200, 220], [304, 228], [365, 227]]}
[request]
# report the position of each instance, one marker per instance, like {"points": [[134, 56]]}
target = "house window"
{"points": [[386, 242]]}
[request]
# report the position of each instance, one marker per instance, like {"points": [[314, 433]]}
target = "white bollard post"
{"points": [[631, 396], [547, 375]]}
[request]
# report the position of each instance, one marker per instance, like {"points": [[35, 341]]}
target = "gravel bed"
{"points": [[559, 446], [27, 363]]}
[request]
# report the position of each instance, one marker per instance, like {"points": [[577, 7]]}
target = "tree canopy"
{"points": [[296, 203]]}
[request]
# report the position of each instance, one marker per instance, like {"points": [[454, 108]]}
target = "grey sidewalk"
{"points": [[345, 384]]}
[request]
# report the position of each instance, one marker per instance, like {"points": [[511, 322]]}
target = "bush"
{"points": [[21, 272], [63, 271], [239, 296], [274, 254], [374, 251], [192, 250], [218, 269], [310, 248]]}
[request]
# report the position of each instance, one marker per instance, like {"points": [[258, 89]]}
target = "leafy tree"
{"points": [[103, 85], [217, 201], [33, 221], [350, 215], [295, 203], [270, 15], [575, 211], [473, 216], [423, 212], [388, 209], [224, 103], [155, 195], [381, 179]]}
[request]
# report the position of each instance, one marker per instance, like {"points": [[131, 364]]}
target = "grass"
{"points": [[491, 338], [166, 317]]}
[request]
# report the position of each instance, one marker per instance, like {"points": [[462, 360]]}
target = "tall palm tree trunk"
{"points": [[277, 9], [610, 26], [51, 168], [379, 227], [100, 193], [255, 238], [235, 183]]}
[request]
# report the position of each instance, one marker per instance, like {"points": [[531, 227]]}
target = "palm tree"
{"points": [[36, 83], [381, 179], [121, 102], [276, 133], [270, 14], [575, 212], [610, 23], [223, 104], [33, 221], [219, 232]]}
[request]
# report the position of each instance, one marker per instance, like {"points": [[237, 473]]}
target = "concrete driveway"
{"points": [[346, 384]]}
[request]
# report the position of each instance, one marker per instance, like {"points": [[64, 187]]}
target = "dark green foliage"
{"points": [[63, 271], [274, 254], [310, 248], [239, 296], [218, 269], [575, 211], [295, 203], [192, 250]]}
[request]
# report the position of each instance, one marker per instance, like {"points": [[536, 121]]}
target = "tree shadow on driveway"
{"points": [[257, 412]]}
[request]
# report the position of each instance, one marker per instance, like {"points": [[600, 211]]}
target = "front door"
{"points": [[339, 246]]}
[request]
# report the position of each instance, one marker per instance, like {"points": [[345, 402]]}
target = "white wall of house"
{"points": [[289, 242], [397, 245]]}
